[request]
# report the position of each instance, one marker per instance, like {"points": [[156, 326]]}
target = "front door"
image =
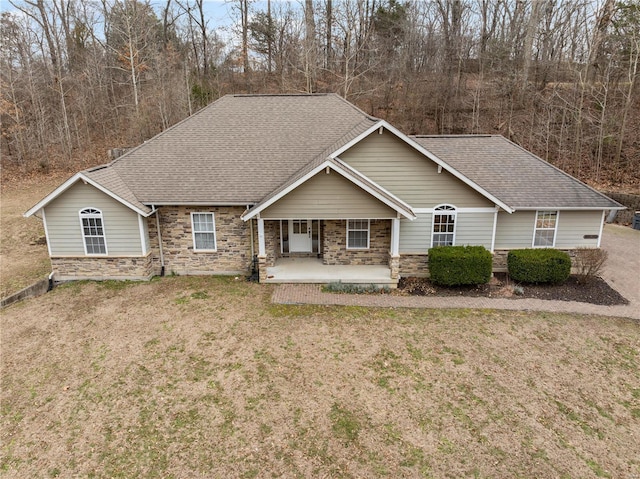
{"points": [[300, 236]]}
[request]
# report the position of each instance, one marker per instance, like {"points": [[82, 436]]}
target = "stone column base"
{"points": [[394, 264], [262, 268]]}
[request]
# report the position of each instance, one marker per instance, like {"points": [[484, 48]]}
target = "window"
{"points": [[93, 231], [204, 231], [544, 235], [357, 234], [444, 226]]}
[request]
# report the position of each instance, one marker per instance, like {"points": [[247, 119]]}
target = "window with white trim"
{"points": [[444, 226], [203, 226], [358, 234], [92, 224], [544, 235]]}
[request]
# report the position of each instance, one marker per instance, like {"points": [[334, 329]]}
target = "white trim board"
{"points": [[416, 146], [334, 167], [72, 181], [459, 210], [143, 241]]}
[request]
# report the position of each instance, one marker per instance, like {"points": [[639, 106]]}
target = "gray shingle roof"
{"points": [[109, 179], [238, 149], [512, 174]]}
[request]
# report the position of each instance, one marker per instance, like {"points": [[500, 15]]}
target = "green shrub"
{"points": [[539, 265], [459, 265]]}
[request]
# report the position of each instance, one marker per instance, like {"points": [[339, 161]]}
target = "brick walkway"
{"points": [[312, 294], [623, 245]]}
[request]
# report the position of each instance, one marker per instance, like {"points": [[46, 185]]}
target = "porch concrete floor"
{"points": [[311, 270]]}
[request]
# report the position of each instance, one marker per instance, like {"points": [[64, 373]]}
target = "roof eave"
{"points": [[400, 208], [428, 154], [73, 180], [569, 208]]}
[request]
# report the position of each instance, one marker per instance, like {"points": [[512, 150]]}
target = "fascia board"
{"points": [[571, 208], [350, 169], [70, 182], [407, 214], [335, 167], [428, 154]]}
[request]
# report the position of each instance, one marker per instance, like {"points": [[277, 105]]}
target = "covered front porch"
{"points": [[312, 270], [329, 225]]}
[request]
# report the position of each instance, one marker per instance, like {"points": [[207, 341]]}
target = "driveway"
{"points": [[622, 269], [622, 272]]}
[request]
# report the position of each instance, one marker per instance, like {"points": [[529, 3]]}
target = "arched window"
{"points": [[93, 231], [444, 226]]}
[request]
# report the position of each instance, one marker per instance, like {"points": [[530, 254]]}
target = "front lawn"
{"points": [[201, 376]]}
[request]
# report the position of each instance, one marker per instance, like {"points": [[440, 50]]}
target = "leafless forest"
{"points": [[559, 77]]}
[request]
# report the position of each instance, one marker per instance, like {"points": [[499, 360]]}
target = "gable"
{"points": [[408, 174], [328, 196], [121, 224]]}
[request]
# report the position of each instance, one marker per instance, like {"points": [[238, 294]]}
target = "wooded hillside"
{"points": [[559, 78]]}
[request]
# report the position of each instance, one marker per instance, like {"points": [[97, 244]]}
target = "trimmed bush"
{"points": [[539, 265], [459, 265]]}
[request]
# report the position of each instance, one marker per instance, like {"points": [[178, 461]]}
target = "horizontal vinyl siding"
{"points": [[471, 229], [474, 229], [328, 196], [403, 171], [515, 230], [573, 225], [122, 231], [415, 236]]}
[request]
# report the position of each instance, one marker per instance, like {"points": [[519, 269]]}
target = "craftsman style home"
{"points": [[314, 189]]}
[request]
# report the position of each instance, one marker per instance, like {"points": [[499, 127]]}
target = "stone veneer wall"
{"points": [[335, 250], [272, 241], [414, 265], [93, 267], [418, 264], [233, 255], [500, 259]]}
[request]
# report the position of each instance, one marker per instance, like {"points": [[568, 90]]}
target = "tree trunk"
{"points": [[603, 22], [310, 57]]}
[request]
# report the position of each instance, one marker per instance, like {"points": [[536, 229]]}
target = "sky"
{"points": [[220, 12]]}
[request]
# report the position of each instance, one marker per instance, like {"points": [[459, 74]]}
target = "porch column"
{"points": [[394, 253], [395, 237], [262, 250]]}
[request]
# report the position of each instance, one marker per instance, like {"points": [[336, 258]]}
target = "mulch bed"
{"points": [[596, 291]]}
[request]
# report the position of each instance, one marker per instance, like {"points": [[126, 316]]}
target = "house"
{"points": [[308, 183]]}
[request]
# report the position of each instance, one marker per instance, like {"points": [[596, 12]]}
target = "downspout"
{"points": [[159, 241], [602, 228], [493, 234]]}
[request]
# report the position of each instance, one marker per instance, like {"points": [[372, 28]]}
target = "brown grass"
{"points": [[23, 250], [203, 376], [185, 377]]}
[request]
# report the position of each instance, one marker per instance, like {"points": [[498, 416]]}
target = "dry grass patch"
{"points": [[23, 250], [189, 376]]}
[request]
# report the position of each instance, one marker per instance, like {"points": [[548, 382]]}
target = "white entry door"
{"points": [[300, 236]]}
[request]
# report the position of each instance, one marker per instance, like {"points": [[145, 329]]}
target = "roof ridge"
{"points": [[250, 95]]}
